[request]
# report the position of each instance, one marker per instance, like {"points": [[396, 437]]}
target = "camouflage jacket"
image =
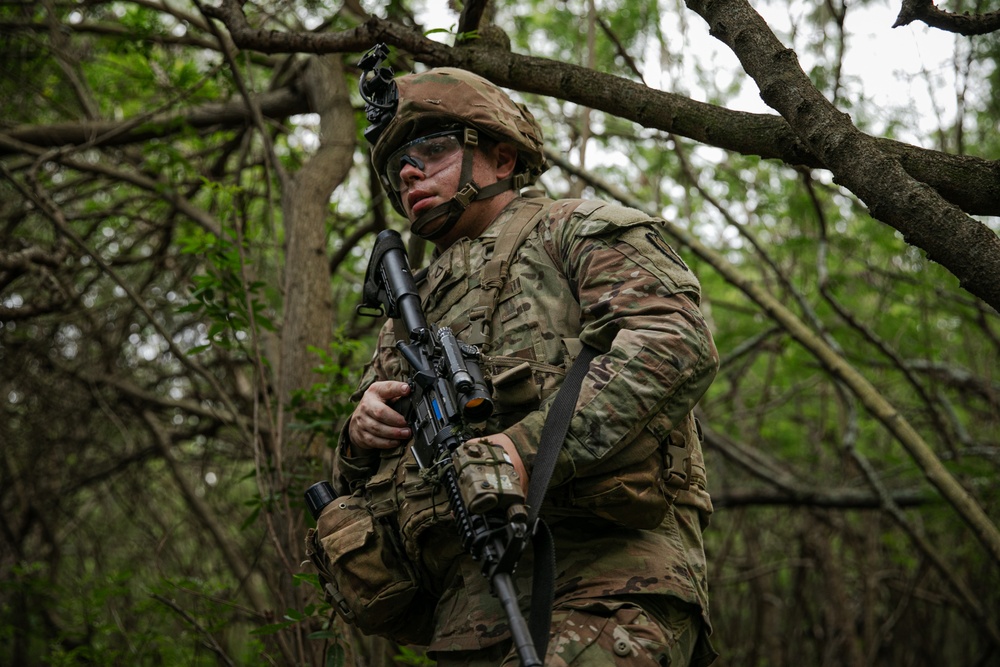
{"points": [[603, 275]]}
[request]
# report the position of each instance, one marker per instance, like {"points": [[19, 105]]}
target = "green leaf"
{"points": [[335, 656], [270, 629]]}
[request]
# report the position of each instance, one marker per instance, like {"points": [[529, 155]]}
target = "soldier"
{"points": [[530, 281]]}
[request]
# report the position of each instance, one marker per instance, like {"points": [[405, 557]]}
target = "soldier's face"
{"points": [[421, 190], [429, 175], [424, 186]]}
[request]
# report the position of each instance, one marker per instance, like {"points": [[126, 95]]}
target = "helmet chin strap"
{"points": [[468, 192], [455, 207]]}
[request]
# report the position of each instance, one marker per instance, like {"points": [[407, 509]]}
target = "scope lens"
{"points": [[477, 407]]}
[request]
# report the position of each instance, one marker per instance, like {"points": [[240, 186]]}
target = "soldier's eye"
{"points": [[438, 146], [437, 149]]}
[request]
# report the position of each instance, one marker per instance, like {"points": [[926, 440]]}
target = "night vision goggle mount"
{"points": [[378, 90]]}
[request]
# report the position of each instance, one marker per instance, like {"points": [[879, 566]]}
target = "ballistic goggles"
{"points": [[430, 154]]}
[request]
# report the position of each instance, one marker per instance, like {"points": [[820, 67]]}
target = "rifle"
{"points": [[447, 395]]}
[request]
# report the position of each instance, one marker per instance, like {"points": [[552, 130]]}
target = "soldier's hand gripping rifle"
{"points": [[447, 395]]}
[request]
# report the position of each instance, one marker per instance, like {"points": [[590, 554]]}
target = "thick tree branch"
{"points": [[963, 245], [844, 499], [927, 12], [278, 103], [887, 176], [873, 169], [969, 182]]}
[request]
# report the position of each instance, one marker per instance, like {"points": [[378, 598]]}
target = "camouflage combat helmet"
{"points": [[448, 98]]}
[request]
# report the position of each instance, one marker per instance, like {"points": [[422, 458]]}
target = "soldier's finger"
{"points": [[377, 403], [375, 422], [389, 390]]}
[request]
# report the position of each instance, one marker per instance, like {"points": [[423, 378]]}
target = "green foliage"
{"points": [[315, 615], [320, 409], [222, 295], [410, 656], [121, 555], [565, 25], [117, 617]]}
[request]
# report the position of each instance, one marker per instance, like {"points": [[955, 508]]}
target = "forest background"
{"points": [[186, 212]]}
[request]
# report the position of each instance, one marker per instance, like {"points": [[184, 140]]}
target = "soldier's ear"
{"points": [[506, 160]]}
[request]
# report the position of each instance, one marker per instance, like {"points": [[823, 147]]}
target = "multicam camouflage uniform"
{"points": [[631, 574]]}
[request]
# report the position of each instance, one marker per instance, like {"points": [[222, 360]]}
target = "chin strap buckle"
{"points": [[467, 194]]}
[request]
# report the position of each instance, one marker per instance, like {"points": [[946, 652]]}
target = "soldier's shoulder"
{"points": [[580, 227], [592, 217]]}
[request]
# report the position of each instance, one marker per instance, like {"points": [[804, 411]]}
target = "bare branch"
{"points": [[928, 13], [240, 567], [278, 103], [210, 642], [843, 499], [963, 245]]}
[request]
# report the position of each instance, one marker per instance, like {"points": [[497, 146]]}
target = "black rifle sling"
{"points": [[551, 441], [494, 276]]}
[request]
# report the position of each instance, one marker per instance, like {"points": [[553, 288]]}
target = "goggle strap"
{"points": [[470, 137], [466, 194], [471, 141], [454, 206]]}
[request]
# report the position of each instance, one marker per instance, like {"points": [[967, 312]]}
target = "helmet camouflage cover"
{"points": [[445, 97]]}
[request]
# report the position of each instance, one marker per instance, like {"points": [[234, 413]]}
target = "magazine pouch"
{"points": [[363, 571]]}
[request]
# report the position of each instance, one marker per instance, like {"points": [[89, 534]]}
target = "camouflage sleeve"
{"points": [[349, 472], [640, 309]]}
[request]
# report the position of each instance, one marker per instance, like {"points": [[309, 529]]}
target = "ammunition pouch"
{"points": [[514, 389], [364, 573], [632, 496], [639, 494]]}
